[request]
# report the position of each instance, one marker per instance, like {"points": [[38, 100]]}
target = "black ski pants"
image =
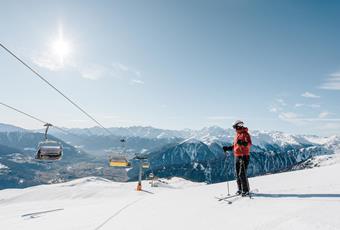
{"points": [[241, 166]]}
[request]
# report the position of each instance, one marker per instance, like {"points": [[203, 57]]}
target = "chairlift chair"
{"points": [[119, 160], [145, 164], [151, 176], [49, 150]]}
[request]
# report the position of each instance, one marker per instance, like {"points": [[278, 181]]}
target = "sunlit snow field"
{"points": [[305, 199]]}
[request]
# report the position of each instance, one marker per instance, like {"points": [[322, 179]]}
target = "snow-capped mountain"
{"points": [[193, 154], [133, 131], [199, 161], [11, 128], [208, 135], [203, 159]]}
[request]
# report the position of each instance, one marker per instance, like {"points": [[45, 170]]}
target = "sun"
{"points": [[61, 48]]}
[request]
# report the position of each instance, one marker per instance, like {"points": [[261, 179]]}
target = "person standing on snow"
{"points": [[241, 148]]}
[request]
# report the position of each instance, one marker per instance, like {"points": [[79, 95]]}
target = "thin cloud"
{"points": [[296, 118], [116, 70], [93, 72], [332, 83], [55, 55], [48, 61], [309, 95], [275, 109], [51, 62], [120, 67], [324, 114], [122, 70], [137, 82], [90, 71], [329, 126], [288, 115], [277, 105], [281, 102], [319, 119], [314, 106]]}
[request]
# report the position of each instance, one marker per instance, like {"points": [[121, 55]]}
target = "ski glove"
{"points": [[244, 143], [227, 148]]}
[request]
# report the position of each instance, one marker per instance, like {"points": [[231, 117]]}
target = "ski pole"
{"points": [[226, 169], [228, 187]]}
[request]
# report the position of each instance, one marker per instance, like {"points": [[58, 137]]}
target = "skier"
{"points": [[241, 147]]}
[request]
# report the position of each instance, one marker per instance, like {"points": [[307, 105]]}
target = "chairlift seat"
{"points": [[119, 162], [145, 165], [49, 150]]}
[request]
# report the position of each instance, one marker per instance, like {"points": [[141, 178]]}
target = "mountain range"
{"points": [[196, 155]]}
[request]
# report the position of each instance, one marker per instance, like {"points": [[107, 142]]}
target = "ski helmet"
{"points": [[238, 123]]}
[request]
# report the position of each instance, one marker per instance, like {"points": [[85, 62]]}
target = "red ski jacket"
{"points": [[242, 143]]}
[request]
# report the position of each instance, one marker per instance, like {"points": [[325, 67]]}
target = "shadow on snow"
{"points": [[295, 195]]}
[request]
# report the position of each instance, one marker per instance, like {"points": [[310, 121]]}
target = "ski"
{"points": [[250, 196], [226, 197], [232, 198]]}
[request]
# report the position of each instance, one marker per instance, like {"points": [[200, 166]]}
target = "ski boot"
{"points": [[245, 193]]}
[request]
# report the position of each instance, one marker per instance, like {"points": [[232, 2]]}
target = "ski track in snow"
{"points": [[37, 214], [116, 214]]}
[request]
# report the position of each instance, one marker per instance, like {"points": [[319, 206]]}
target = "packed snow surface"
{"points": [[305, 199]]}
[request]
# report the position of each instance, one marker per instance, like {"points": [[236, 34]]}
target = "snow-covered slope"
{"points": [[305, 199]]}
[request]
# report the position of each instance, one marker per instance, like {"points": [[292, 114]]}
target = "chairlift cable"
{"points": [[50, 84], [56, 89], [121, 163], [35, 118], [26, 114]]}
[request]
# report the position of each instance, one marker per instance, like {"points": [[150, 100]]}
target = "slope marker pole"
{"points": [[139, 185]]}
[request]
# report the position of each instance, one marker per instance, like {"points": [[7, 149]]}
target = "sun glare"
{"points": [[60, 47]]}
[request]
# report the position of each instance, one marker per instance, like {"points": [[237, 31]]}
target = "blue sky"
{"points": [[175, 64]]}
